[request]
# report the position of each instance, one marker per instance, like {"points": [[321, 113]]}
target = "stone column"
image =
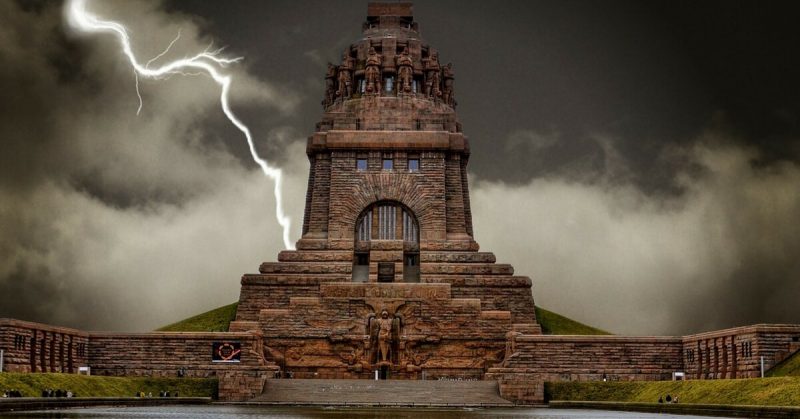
{"points": [[716, 358], [724, 371], [33, 351], [699, 361]]}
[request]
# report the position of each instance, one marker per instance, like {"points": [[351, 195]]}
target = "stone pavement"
{"points": [[381, 393]]}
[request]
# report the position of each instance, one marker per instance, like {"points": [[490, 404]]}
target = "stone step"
{"points": [[347, 256], [794, 348], [382, 392], [457, 257], [495, 281], [315, 256], [293, 279], [306, 267], [467, 268]]}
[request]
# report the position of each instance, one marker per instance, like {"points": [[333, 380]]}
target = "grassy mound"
{"points": [[556, 324], [780, 391], [790, 367], [31, 385], [216, 320]]}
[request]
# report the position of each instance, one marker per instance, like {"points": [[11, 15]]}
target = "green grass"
{"points": [[216, 320], [790, 367], [556, 324], [31, 385], [779, 391]]}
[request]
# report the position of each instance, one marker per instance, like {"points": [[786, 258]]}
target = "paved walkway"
{"points": [[382, 393]]}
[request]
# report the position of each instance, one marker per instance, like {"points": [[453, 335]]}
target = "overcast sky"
{"points": [[638, 160]]}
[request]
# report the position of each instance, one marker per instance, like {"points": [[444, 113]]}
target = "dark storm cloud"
{"points": [[646, 150], [107, 216], [721, 254]]}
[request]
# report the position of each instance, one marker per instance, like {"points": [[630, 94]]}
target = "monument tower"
{"points": [[387, 280], [387, 276]]}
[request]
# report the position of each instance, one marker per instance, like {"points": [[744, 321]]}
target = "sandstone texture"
{"points": [[387, 279]]}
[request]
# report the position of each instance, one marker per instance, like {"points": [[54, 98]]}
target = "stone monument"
{"points": [[387, 275], [387, 280]]}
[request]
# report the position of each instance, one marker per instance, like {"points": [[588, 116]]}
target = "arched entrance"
{"points": [[386, 238]]}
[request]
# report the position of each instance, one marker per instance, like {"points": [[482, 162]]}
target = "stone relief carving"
{"points": [[345, 77], [448, 77], [432, 75], [330, 85], [383, 337], [351, 354], [405, 72], [372, 71]]}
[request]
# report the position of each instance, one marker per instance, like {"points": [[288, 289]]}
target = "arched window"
{"points": [[386, 217], [387, 221]]}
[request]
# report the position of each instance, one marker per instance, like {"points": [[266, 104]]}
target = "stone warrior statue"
{"points": [[447, 91], [330, 85], [345, 77], [432, 75], [384, 336], [381, 336], [372, 71], [405, 72]]}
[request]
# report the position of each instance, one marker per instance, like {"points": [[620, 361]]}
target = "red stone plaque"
{"points": [[226, 351]]}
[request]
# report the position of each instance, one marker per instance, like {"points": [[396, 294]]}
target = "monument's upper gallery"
{"points": [[389, 60], [389, 134]]}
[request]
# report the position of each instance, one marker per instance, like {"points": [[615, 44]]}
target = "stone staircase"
{"points": [[472, 274], [793, 349], [432, 393]]}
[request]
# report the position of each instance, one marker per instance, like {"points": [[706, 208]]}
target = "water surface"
{"points": [[269, 412]]}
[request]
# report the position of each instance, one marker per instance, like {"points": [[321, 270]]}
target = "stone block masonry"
{"points": [[532, 360], [387, 277], [36, 347], [189, 354]]}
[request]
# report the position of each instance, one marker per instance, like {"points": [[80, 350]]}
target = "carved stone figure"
{"points": [[372, 71], [384, 337], [345, 77], [404, 72], [330, 85], [447, 90], [432, 76]]}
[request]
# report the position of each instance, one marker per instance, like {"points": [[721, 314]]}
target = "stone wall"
{"points": [[189, 354], [165, 353], [393, 128], [36, 347], [729, 353], [471, 274], [737, 352], [511, 293], [330, 336], [535, 359]]}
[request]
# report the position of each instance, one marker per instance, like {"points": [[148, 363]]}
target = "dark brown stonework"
{"points": [[392, 100], [387, 276]]}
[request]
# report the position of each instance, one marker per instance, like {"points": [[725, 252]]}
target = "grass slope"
{"points": [[780, 391], [216, 320], [31, 385], [790, 367], [556, 324]]}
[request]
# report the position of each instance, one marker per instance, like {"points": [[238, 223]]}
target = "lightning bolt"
{"points": [[206, 62]]}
